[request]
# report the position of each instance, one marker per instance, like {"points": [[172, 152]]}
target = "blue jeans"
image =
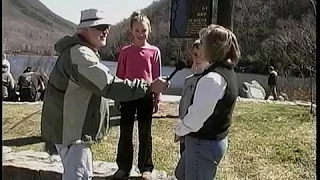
{"points": [[200, 158]]}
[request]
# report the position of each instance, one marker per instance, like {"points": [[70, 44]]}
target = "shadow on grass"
{"points": [[20, 122], [48, 146], [22, 141]]}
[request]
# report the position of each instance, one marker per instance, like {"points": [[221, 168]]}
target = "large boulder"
{"points": [[252, 90], [32, 165]]}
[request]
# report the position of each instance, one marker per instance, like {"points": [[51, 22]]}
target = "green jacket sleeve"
{"points": [[89, 72]]}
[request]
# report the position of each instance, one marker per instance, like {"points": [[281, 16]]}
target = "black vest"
{"points": [[216, 127]]}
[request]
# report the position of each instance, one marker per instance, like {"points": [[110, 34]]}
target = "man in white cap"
{"points": [[75, 110]]}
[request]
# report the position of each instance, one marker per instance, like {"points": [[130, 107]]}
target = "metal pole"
{"points": [[311, 91], [225, 13]]}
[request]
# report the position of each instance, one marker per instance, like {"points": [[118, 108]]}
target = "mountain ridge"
{"points": [[270, 33], [26, 21]]}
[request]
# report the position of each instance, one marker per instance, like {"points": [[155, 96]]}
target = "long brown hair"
{"points": [[137, 16]]}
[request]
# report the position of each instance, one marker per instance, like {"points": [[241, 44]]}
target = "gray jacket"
{"points": [[75, 107]]}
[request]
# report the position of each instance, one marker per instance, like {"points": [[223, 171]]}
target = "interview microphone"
{"points": [[179, 66]]}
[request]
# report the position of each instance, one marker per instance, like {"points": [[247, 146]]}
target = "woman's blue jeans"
{"points": [[200, 158]]}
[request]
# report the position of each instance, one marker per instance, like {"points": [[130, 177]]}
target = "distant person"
{"points": [[198, 66], [76, 106], [207, 121], [272, 84], [138, 60], [44, 78], [6, 61], [8, 84], [30, 85]]}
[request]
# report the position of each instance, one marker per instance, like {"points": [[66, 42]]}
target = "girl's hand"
{"points": [[155, 106]]}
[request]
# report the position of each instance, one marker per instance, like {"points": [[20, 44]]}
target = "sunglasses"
{"points": [[102, 27]]}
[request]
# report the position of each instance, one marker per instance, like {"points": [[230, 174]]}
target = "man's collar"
{"points": [[86, 42]]}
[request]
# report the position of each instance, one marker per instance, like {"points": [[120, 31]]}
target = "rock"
{"points": [[22, 103], [258, 85], [41, 166], [55, 158], [252, 90], [6, 149], [21, 173]]}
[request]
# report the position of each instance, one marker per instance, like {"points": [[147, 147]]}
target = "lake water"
{"points": [[19, 63]]}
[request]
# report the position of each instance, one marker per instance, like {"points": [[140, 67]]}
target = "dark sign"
{"points": [[188, 17]]}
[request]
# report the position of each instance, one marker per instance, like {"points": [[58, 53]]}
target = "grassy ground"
{"points": [[266, 141]]}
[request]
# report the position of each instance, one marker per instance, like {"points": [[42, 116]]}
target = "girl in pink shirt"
{"points": [[138, 60]]}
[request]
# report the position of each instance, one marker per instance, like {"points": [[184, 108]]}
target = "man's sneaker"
{"points": [[146, 175], [121, 174]]}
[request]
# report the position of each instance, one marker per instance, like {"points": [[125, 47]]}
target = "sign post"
{"points": [[225, 13], [188, 17]]}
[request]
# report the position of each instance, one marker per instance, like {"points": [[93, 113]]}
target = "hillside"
{"points": [[30, 27], [279, 33]]}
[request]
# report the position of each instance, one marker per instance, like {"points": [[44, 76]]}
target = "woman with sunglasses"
{"points": [[198, 65]]}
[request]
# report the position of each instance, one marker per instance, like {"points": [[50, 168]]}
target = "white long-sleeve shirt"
{"points": [[210, 89]]}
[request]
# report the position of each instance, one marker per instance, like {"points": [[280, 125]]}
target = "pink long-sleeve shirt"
{"points": [[139, 62]]}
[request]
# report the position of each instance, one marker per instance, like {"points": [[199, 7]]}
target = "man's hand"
{"points": [[159, 85]]}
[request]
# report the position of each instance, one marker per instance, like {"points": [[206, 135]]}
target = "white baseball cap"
{"points": [[93, 17]]}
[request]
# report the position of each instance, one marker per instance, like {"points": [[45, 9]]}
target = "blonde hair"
{"points": [[220, 45], [137, 16]]}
